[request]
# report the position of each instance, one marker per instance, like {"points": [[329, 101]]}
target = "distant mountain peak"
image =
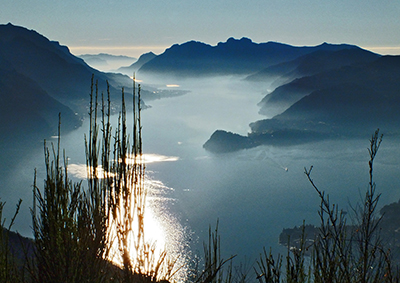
{"points": [[335, 46], [242, 40], [133, 68]]}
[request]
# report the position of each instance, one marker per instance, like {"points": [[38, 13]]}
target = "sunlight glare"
{"points": [[80, 171], [162, 231], [153, 158], [136, 80]]}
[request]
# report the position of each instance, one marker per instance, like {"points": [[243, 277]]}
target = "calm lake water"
{"points": [[249, 192]]}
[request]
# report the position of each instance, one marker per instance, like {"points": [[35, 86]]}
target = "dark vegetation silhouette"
{"points": [[97, 235], [337, 251], [90, 235]]}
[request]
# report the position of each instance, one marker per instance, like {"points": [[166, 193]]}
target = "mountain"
{"points": [[354, 72], [106, 62], [63, 76], [39, 79], [223, 141], [20, 248], [234, 56], [351, 101], [313, 63], [25, 105], [143, 59]]}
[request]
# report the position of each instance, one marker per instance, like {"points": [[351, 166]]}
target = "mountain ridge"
{"points": [[235, 56], [311, 64], [285, 95], [106, 62]]}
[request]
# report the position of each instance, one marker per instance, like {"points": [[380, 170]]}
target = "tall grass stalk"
{"points": [[66, 249], [116, 175], [341, 252], [213, 271], [97, 234], [10, 270], [351, 253]]}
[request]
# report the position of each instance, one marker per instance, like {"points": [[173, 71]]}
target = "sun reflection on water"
{"points": [[152, 158], [162, 229], [162, 232]]}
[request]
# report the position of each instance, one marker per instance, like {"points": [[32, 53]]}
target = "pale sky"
{"points": [[130, 27]]}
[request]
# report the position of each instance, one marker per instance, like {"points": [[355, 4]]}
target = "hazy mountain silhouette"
{"points": [[367, 74], [19, 246], [26, 109], [106, 62], [351, 101], [313, 63], [143, 59], [231, 57]]}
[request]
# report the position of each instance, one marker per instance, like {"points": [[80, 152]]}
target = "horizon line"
{"points": [[133, 50], [137, 50]]}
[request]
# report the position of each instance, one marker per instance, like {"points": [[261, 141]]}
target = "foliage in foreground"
{"points": [[339, 252], [97, 234]]}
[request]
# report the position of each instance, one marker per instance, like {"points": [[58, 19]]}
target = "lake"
{"points": [[253, 193]]}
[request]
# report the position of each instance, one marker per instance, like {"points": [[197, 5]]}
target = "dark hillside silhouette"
{"points": [[381, 74], [313, 63], [25, 105], [62, 75], [39, 79]]}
